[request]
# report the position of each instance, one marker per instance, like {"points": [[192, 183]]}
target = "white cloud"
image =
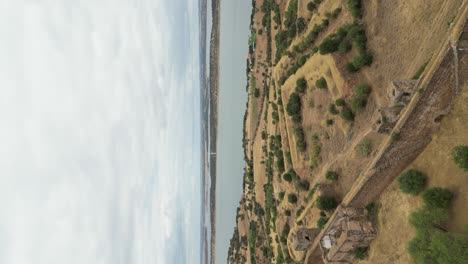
{"points": [[99, 133]]}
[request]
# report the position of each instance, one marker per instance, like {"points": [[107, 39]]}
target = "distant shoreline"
{"points": [[213, 113]]}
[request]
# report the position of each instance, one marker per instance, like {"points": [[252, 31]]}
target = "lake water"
{"points": [[235, 20]]}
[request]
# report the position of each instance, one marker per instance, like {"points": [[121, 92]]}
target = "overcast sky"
{"points": [[99, 132]]}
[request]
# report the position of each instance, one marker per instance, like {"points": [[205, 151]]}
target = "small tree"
{"points": [[340, 102], [351, 68], [281, 195], [256, 92], [321, 83], [347, 114], [357, 103], [301, 85], [460, 157], [326, 203], [311, 6], [292, 198], [294, 105], [321, 222], [412, 182], [329, 45], [287, 177], [287, 212], [362, 90], [427, 218], [332, 109], [331, 176], [438, 197]]}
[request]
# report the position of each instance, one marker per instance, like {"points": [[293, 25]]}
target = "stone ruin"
{"points": [[303, 238], [351, 229], [400, 93]]}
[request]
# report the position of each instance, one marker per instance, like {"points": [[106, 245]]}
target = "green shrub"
{"points": [[412, 181], [282, 80], [340, 102], [429, 218], [296, 119], [336, 12], [332, 109], [362, 60], [372, 210], [301, 25], [322, 222], [460, 157], [294, 105], [326, 203], [303, 185], [321, 83], [281, 195], [395, 137], [329, 45], [347, 114], [438, 197], [331, 175], [292, 198], [362, 90], [318, 2], [301, 145], [287, 177], [323, 214], [364, 148], [351, 68], [357, 103], [360, 253], [329, 122], [256, 92], [301, 85], [287, 212], [311, 6], [345, 46]]}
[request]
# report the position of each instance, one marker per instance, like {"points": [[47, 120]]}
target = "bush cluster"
{"points": [[300, 139], [460, 157], [326, 203], [359, 100]]}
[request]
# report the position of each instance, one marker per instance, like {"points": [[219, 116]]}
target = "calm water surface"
{"points": [[235, 20]]}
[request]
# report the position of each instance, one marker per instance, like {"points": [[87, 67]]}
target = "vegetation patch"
{"points": [[331, 176], [322, 222], [326, 203], [412, 182], [364, 148], [360, 253], [438, 197], [460, 157]]}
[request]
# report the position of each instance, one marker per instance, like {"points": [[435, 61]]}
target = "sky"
{"points": [[99, 131]]}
